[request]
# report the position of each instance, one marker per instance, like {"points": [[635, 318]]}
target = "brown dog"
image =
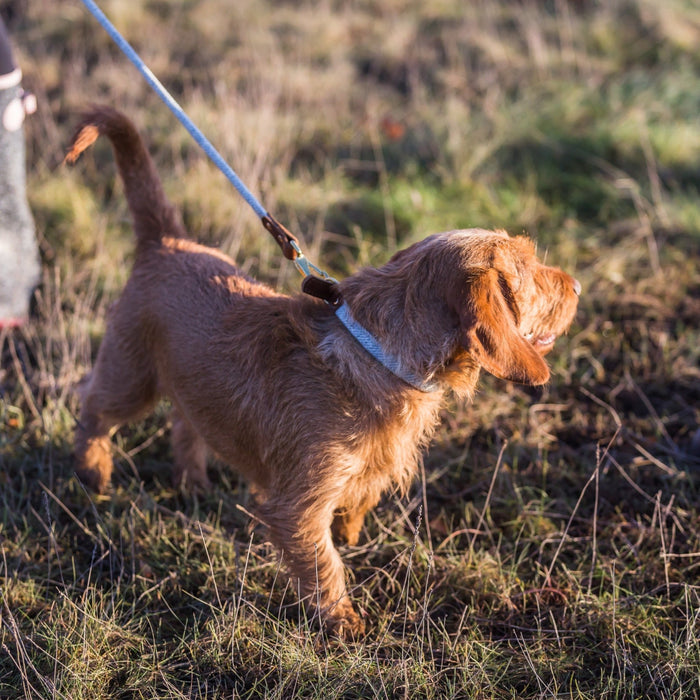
{"points": [[279, 388]]}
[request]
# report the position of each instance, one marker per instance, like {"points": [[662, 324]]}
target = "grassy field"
{"points": [[551, 548]]}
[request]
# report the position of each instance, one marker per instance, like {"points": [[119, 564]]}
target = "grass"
{"points": [[550, 548]]}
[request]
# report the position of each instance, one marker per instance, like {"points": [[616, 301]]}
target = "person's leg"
{"points": [[19, 260]]}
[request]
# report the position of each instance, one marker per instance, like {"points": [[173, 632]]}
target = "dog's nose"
{"points": [[577, 287]]}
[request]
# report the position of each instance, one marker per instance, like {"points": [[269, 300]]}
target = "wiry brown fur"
{"points": [[276, 386]]}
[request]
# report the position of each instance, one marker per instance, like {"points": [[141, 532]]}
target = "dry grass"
{"points": [[551, 548]]}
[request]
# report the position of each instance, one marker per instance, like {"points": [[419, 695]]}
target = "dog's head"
{"points": [[511, 307], [507, 307]]}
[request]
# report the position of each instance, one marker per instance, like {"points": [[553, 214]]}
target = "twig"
{"points": [[594, 526], [576, 507], [488, 495]]}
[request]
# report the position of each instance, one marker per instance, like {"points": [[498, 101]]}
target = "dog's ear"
{"points": [[488, 316]]}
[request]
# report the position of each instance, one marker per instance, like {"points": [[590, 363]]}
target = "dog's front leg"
{"points": [[303, 534]]}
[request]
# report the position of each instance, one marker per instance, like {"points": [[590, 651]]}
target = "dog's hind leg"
{"points": [[190, 454], [118, 390]]}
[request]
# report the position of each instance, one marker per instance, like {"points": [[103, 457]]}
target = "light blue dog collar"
{"points": [[374, 348]]}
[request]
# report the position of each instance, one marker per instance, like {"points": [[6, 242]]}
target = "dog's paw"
{"points": [[94, 464], [348, 626]]}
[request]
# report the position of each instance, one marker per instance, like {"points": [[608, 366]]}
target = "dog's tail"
{"points": [[154, 216]]}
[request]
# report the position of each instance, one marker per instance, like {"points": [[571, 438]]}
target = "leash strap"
{"points": [[324, 287]]}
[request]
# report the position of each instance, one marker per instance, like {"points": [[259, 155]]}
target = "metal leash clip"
{"points": [[317, 282]]}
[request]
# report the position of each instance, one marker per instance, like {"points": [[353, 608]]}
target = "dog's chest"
{"points": [[393, 449]]}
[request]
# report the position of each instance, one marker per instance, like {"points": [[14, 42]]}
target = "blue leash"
{"points": [[175, 108], [321, 284], [316, 282]]}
